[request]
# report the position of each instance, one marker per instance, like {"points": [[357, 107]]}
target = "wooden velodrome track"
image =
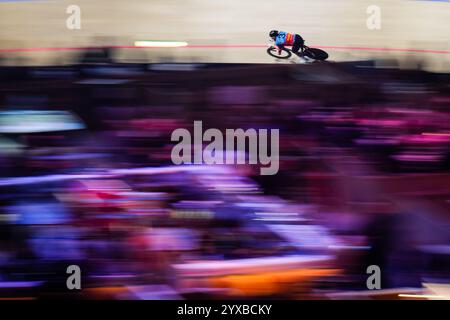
{"points": [[35, 32]]}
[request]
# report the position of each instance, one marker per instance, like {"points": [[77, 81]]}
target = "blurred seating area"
{"points": [[87, 179]]}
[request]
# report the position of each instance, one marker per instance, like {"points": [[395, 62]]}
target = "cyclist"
{"points": [[283, 39]]}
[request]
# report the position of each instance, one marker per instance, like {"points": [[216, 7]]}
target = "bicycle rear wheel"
{"points": [[285, 53], [316, 54]]}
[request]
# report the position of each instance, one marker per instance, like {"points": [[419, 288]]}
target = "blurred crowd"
{"points": [[87, 180]]}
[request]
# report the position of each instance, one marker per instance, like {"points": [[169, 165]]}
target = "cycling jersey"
{"points": [[284, 39]]}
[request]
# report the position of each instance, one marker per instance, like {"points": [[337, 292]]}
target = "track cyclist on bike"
{"points": [[283, 39]]}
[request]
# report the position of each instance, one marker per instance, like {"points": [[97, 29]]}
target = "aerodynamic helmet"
{"points": [[273, 33]]}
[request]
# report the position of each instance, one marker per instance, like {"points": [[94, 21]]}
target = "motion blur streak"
{"points": [[419, 27]]}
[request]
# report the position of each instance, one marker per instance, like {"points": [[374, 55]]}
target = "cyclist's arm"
{"points": [[279, 43]]}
